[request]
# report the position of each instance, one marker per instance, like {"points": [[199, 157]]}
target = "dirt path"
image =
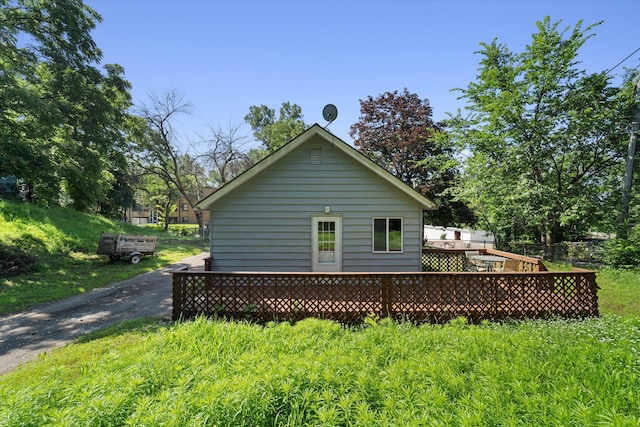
{"points": [[25, 335]]}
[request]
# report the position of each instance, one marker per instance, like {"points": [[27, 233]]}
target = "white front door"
{"points": [[326, 243]]}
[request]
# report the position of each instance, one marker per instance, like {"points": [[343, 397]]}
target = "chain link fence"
{"points": [[587, 253]]}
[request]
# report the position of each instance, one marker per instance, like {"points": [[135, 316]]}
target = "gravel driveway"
{"points": [[25, 335]]}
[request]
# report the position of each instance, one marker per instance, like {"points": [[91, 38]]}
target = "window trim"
{"points": [[315, 265], [373, 233]]}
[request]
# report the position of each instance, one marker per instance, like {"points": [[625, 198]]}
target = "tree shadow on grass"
{"points": [[146, 325]]}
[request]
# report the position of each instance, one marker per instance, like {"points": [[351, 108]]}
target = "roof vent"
{"points": [[316, 156]]}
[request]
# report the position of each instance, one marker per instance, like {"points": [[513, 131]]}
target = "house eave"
{"points": [[282, 152]]}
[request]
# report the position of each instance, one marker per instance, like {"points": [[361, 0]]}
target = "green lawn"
{"points": [[619, 291]]}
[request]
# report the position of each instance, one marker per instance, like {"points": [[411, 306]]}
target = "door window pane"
{"points": [[326, 242]]}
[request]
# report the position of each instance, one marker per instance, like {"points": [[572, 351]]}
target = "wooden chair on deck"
{"points": [[511, 265], [472, 264]]}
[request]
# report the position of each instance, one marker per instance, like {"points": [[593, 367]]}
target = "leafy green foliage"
{"points": [[397, 131], [316, 372], [543, 136], [62, 120], [624, 253], [272, 132]]}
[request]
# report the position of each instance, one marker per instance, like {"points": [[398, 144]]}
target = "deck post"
{"points": [[208, 263], [177, 296], [386, 296]]}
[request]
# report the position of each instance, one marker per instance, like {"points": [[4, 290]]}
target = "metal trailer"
{"points": [[128, 246]]}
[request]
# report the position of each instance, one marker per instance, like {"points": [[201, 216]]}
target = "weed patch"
{"points": [[14, 262]]}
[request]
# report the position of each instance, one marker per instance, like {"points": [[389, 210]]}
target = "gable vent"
{"points": [[316, 156]]}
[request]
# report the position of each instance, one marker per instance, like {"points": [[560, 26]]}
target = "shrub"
{"points": [[13, 261], [624, 253]]}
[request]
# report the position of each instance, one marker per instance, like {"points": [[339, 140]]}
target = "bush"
{"points": [[14, 262], [624, 253]]}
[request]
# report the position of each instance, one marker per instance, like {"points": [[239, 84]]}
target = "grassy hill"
{"points": [[54, 249]]}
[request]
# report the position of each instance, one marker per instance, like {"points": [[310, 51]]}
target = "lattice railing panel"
{"points": [[349, 297], [449, 260], [443, 261]]}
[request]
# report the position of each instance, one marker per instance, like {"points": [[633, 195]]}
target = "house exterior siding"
{"points": [[265, 224]]}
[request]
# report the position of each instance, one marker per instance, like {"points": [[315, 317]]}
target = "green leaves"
{"points": [[624, 253], [542, 138], [63, 117], [272, 132]]}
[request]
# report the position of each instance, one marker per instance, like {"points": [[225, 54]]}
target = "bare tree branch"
{"points": [[158, 152], [224, 153]]}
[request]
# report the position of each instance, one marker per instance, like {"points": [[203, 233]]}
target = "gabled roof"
{"points": [[315, 130]]}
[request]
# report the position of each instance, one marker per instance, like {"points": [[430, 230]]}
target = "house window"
{"points": [[387, 234], [185, 207], [185, 219]]}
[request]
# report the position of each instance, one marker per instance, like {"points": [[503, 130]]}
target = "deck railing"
{"points": [[419, 297], [455, 259]]}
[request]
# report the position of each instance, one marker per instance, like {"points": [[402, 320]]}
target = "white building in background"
{"points": [[453, 237]]}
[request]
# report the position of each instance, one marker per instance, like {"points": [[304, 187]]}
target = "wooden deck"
{"points": [[430, 296]]}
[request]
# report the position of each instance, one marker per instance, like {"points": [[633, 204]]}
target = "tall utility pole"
{"points": [[628, 174]]}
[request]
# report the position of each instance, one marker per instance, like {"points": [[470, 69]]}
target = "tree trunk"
{"points": [[200, 220], [167, 212], [550, 240]]}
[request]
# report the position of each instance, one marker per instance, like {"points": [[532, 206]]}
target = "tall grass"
{"points": [[64, 243], [317, 373], [619, 291]]}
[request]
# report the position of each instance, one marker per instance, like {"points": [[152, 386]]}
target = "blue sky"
{"points": [[224, 56]]}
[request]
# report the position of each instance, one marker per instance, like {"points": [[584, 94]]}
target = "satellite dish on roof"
{"points": [[329, 112]]}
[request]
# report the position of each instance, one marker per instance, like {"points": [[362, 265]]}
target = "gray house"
{"points": [[316, 204]]}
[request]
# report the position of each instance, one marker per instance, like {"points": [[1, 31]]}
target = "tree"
{"points": [[224, 156], [94, 134], [120, 196], [272, 132], [397, 131], [158, 192], [61, 118], [543, 138], [157, 152]]}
